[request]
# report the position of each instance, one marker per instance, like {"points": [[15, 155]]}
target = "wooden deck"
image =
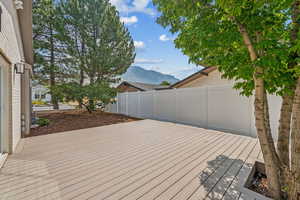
{"points": [[137, 160]]}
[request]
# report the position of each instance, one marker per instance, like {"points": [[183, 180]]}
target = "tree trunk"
{"points": [[295, 20], [262, 121], [265, 139], [294, 187], [283, 143], [54, 99], [81, 81], [82, 53]]}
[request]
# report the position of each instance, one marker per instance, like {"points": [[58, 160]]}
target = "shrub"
{"points": [[39, 102], [90, 96], [43, 122]]}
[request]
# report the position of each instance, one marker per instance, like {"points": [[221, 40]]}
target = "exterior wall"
{"points": [[11, 47], [213, 79]]}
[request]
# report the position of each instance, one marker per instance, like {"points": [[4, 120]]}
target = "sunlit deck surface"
{"points": [[138, 160]]}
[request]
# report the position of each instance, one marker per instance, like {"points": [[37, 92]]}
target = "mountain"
{"points": [[139, 74], [182, 74]]}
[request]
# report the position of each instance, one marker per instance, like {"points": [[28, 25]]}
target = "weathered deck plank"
{"points": [[233, 191], [137, 160], [220, 188], [207, 184]]}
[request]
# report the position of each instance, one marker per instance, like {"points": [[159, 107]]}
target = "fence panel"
{"points": [[228, 111], [274, 107], [133, 106], [165, 105], [112, 107], [215, 107], [122, 103], [146, 105], [191, 106]]}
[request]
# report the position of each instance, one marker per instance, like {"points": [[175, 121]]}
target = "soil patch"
{"points": [[259, 184], [69, 120]]}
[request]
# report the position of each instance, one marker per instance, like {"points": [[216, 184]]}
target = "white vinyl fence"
{"points": [[213, 107]]}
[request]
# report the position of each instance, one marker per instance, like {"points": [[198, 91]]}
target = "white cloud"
{"points": [[129, 20], [164, 38], [147, 61], [126, 6], [139, 44]]}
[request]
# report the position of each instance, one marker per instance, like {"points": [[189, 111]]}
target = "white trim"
{"points": [[5, 111]]}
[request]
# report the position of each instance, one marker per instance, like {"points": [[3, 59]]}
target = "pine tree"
{"points": [[48, 47], [100, 46], [98, 40]]}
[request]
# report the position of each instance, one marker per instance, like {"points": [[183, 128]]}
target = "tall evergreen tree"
{"points": [[48, 46], [77, 40], [97, 39], [99, 45], [73, 13]]}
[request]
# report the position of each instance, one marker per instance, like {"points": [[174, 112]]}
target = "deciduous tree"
{"points": [[255, 43]]}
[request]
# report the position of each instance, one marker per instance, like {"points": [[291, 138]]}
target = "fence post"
{"points": [[176, 105], [139, 104], [117, 103], [126, 106], [154, 104], [207, 102]]}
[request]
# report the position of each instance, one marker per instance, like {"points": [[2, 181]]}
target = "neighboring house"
{"points": [[127, 86], [209, 76], [40, 93], [16, 59]]}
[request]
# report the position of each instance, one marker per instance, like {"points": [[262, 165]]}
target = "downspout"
{"points": [[24, 11], [26, 102]]}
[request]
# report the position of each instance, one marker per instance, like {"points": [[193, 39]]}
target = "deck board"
{"points": [[232, 192], [157, 183], [222, 185], [138, 160], [206, 186]]}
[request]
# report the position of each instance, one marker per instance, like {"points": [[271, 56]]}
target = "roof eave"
{"points": [[205, 71], [25, 21], [127, 83]]}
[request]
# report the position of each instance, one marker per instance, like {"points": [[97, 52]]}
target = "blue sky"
{"points": [[154, 45]]}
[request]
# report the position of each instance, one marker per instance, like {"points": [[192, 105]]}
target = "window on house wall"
{"points": [[43, 96], [37, 96]]}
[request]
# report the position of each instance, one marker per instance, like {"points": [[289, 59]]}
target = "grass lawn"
{"points": [[68, 120]]}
